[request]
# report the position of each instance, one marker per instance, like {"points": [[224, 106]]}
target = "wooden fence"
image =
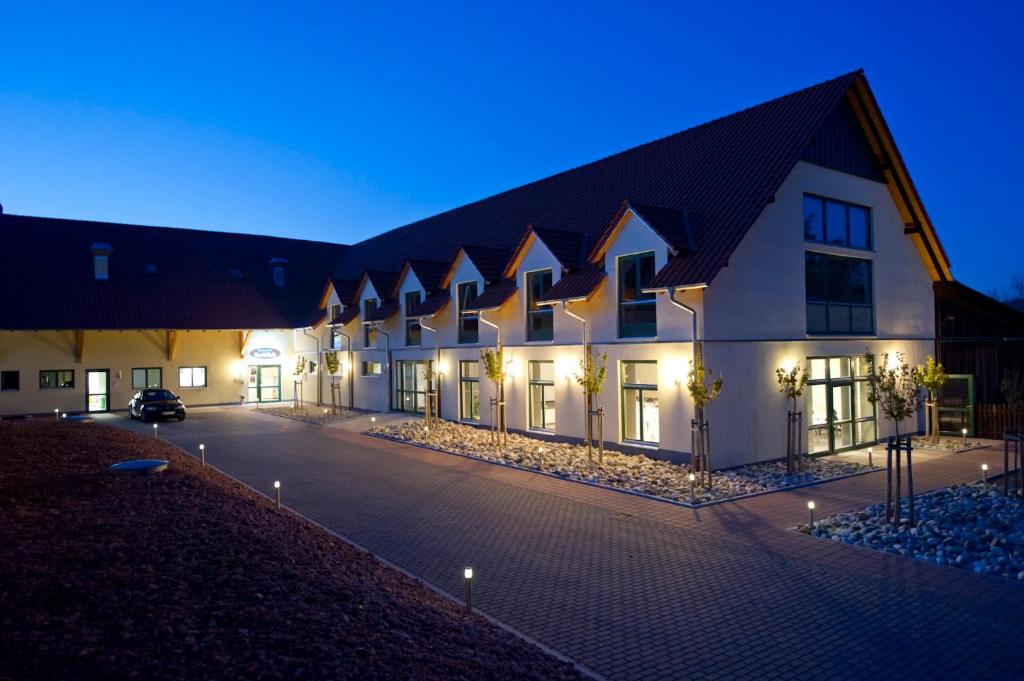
{"points": [[993, 420]]}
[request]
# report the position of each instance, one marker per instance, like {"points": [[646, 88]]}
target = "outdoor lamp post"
{"points": [[64, 415], [155, 427], [277, 492], [540, 458], [202, 454], [964, 431], [984, 474], [56, 414], [810, 513], [467, 577], [871, 458], [692, 478]]}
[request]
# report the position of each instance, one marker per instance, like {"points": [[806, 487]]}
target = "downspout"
{"points": [[387, 363], [497, 331], [437, 364], [586, 362], [693, 319], [320, 363]]}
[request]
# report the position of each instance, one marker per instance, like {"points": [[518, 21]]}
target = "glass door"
{"points": [[97, 390], [264, 383], [840, 415], [412, 385]]}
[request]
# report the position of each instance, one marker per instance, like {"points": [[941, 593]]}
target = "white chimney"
{"points": [[101, 260], [277, 266]]}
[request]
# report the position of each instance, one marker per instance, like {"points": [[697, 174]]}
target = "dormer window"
{"points": [[277, 266], [101, 260]]}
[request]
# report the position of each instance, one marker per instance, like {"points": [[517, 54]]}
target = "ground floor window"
{"points": [[192, 377], [469, 391], [639, 380], [10, 380], [840, 416], [542, 395], [56, 378], [371, 368], [152, 377], [413, 384]]}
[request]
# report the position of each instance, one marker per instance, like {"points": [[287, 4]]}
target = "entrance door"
{"points": [[840, 415], [265, 383], [412, 385], [97, 389]]}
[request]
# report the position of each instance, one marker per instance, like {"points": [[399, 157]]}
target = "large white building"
{"points": [[786, 233]]}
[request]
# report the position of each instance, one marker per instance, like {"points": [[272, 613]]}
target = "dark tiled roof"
{"points": [[490, 262], [384, 312], [346, 289], [722, 173], [431, 305], [576, 285], [202, 279], [670, 224], [383, 282], [429, 273], [568, 247], [493, 296], [347, 315]]}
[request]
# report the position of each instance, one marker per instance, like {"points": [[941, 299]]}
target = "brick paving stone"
{"points": [[631, 587]]}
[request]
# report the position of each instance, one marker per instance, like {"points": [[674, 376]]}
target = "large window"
{"points": [[413, 330], [640, 402], [840, 414], [539, 318], [56, 378], [827, 221], [542, 395], [838, 294], [469, 322], [413, 385], [469, 391], [192, 377], [637, 312], [152, 377], [369, 331], [371, 368], [10, 380], [335, 312]]}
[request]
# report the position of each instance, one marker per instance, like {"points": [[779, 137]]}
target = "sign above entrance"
{"points": [[264, 353]]}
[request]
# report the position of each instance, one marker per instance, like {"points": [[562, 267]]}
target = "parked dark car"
{"points": [[156, 403]]}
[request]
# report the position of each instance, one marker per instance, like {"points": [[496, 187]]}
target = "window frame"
{"points": [[4, 387], [474, 380], [369, 331], [534, 310], [335, 312], [414, 322], [641, 388], [371, 362], [544, 385], [642, 299], [825, 200], [192, 370], [56, 375], [462, 316], [147, 370], [828, 302]]}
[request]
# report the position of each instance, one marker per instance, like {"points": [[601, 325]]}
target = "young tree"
{"points": [[792, 384], [703, 389], [299, 372], [591, 377], [932, 376], [1012, 387], [332, 364], [494, 369], [895, 389]]}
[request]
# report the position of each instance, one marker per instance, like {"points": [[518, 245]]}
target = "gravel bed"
{"points": [[946, 444], [188, 575], [974, 527], [632, 472], [312, 414]]}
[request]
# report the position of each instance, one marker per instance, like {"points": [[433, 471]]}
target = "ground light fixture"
{"points": [[984, 474], [964, 431], [64, 415], [467, 578], [871, 457], [56, 414], [810, 513], [692, 478], [155, 427], [202, 454], [277, 493], [540, 457]]}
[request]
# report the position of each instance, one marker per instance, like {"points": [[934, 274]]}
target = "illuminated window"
{"points": [[469, 391], [147, 378], [51, 379], [542, 395], [640, 410], [192, 377]]}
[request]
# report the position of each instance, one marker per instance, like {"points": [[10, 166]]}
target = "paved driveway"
{"points": [[630, 587]]}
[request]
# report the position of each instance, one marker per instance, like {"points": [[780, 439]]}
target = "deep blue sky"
{"points": [[340, 120]]}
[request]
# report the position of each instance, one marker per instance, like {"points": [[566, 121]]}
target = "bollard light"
{"points": [[693, 481], [64, 415], [810, 513], [467, 577], [373, 420], [540, 457], [871, 458], [155, 426], [984, 474], [277, 492], [202, 454], [964, 431], [56, 414]]}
